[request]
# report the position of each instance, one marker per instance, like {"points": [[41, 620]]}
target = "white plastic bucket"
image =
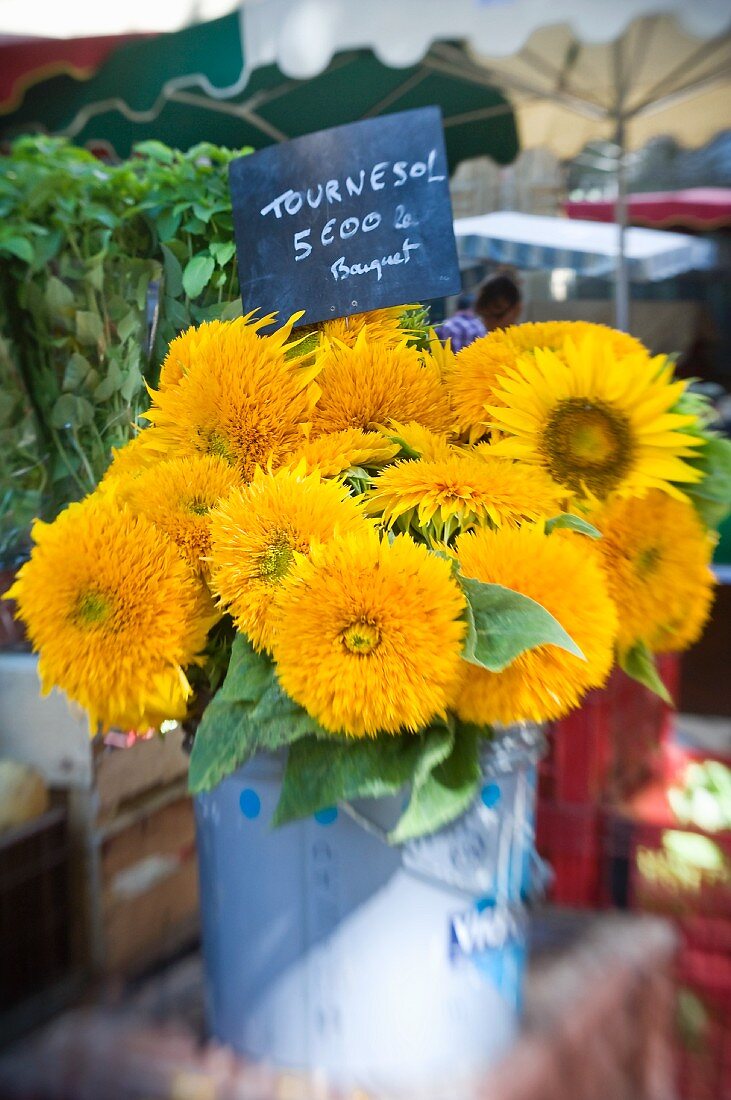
{"points": [[325, 949]]}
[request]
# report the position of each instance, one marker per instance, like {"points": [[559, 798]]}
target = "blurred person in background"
{"points": [[497, 304]]}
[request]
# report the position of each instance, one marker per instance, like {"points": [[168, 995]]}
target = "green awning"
{"points": [[191, 86]]}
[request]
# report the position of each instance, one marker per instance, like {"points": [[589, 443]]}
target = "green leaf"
{"points": [[173, 272], [231, 310], [59, 298], [143, 282], [639, 664], [194, 226], [407, 450], [155, 150], [445, 792], [223, 742], [89, 327], [175, 313], [95, 278], [572, 523], [250, 713], [205, 213], [504, 624], [222, 251], [110, 384], [167, 225], [249, 673], [18, 246], [128, 326], [197, 273], [133, 383], [712, 495], [71, 412], [46, 248], [76, 372], [323, 772]]}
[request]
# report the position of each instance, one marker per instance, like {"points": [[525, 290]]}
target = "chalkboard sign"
{"points": [[346, 220]]}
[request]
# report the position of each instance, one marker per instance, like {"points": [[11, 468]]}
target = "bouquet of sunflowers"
{"points": [[349, 544]]}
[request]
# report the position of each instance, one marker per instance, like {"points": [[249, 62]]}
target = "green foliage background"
{"points": [[100, 267]]}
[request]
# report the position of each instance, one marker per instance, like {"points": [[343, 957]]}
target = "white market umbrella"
{"points": [[83, 19], [575, 69], [531, 241]]}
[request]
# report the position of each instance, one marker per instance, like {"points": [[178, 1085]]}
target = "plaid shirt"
{"points": [[461, 329]]}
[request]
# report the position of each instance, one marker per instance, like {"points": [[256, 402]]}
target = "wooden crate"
{"points": [[130, 824], [143, 883]]}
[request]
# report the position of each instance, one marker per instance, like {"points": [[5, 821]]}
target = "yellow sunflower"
{"points": [[657, 555], [242, 398], [428, 445], [115, 612], [183, 349], [256, 532], [473, 381], [129, 461], [379, 325], [371, 383], [564, 574], [177, 495], [369, 635], [460, 492], [333, 453], [553, 334], [596, 423], [441, 355]]}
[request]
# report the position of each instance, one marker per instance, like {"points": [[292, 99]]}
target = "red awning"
{"points": [[694, 208], [26, 61]]}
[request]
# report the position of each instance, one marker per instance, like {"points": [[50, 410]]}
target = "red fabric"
{"points": [[694, 208], [26, 61]]}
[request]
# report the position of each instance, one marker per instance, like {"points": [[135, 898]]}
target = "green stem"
{"points": [[72, 473], [84, 460]]}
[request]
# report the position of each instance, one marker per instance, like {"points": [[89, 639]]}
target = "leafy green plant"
{"points": [[22, 470], [188, 204], [102, 266]]}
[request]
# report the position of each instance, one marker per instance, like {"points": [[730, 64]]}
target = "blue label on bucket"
{"points": [[493, 940]]}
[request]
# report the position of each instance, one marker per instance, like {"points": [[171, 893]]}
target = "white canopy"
{"points": [[81, 18], [588, 248], [574, 68]]}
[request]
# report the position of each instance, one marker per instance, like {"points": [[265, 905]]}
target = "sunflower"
{"points": [[129, 461], [473, 381], [256, 532], [369, 635], [177, 495], [596, 423], [419, 440], [242, 398], [183, 349], [657, 555], [563, 574], [441, 355], [115, 612], [553, 334], [336, 452], [371, 383], [385, 326], [460, 492]]}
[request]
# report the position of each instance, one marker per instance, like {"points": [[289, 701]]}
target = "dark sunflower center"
{"points": [[274, 563], [219, 446], [361, 637], [92, 608], [198, 507], [587, 444], [647, 561]]}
